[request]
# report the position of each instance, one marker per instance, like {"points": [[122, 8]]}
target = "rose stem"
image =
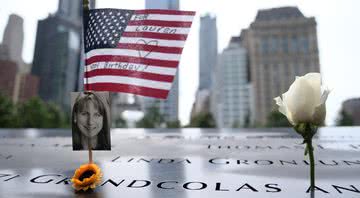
{"points": [[312, 163]]}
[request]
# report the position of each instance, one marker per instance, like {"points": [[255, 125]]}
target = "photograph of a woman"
{"points": [[90, 120]]}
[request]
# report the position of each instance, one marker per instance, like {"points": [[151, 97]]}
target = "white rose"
{"points": [[304, 102]]}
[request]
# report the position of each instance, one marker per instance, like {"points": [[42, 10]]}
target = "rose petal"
{"points": [[319, 115], [299, 101], [314, 80], [320, 110], [324, 95], [283, 109]]}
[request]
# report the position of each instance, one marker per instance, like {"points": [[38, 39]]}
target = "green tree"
{"points": [[203, 120], [7, 113], [344, 119], [56, 118], [247, 122], [236, 124], [120, 122], [173, 124], [35, 113], [152, 119], [277, 119]]}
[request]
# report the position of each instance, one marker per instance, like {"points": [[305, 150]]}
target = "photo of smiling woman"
{"points": [[90, 120]]}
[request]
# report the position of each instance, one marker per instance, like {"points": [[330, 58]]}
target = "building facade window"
{"points": [[274, 44], [285, 45], [294, 43], [305, 44], [265, 45]]}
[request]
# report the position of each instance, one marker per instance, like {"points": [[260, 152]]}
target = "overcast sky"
{"points": [[338, 36]]}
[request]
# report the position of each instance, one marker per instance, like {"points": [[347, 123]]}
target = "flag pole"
{"points": [[86, 4], [85, 10], [90, 151]]}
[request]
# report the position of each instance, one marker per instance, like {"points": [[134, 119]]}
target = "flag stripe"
{"points": [[144, 91], [129, 73], [152, 48], [158, 42], [158, 29], [129, 81], [163, 17], [160, 23], [157, 11], [153, 35], [129, 66], [134, 53], [130, 59]]}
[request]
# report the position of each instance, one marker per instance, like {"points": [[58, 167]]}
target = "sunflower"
{"points": [[87, 176]]}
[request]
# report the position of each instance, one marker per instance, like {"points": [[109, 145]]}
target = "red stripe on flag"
{"points": [[160, 23], [131, 59], [129, 73], [169, 12], [153, 35], [115, 87], [150, 48]]}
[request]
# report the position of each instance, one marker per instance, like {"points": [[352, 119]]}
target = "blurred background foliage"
{"points": [[33, 113]]}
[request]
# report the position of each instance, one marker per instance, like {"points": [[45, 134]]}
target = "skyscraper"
{"points": [[26, 87], [7, 77], [207, 50], [169, 108], [4, 52], [80, 86], [232, 91], [70, 9], [57, 53], [281, 44], [207, 62], [16, 82], [14, 38], [162, 4]]}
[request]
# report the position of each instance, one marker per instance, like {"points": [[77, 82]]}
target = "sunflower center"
{"points": [[86, 174]]}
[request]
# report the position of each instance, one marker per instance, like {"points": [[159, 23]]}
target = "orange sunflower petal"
{"points": [[89, 182]]}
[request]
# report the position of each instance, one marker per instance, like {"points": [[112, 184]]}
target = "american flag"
{"points": [[134, 51]]}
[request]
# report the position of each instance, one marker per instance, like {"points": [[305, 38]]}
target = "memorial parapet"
{"points": [[183, 163]]}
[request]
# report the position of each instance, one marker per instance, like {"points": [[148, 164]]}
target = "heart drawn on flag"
{"points": [[150, 45]]}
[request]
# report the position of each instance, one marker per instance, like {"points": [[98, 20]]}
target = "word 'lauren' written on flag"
{"points": [[134, 51]]}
